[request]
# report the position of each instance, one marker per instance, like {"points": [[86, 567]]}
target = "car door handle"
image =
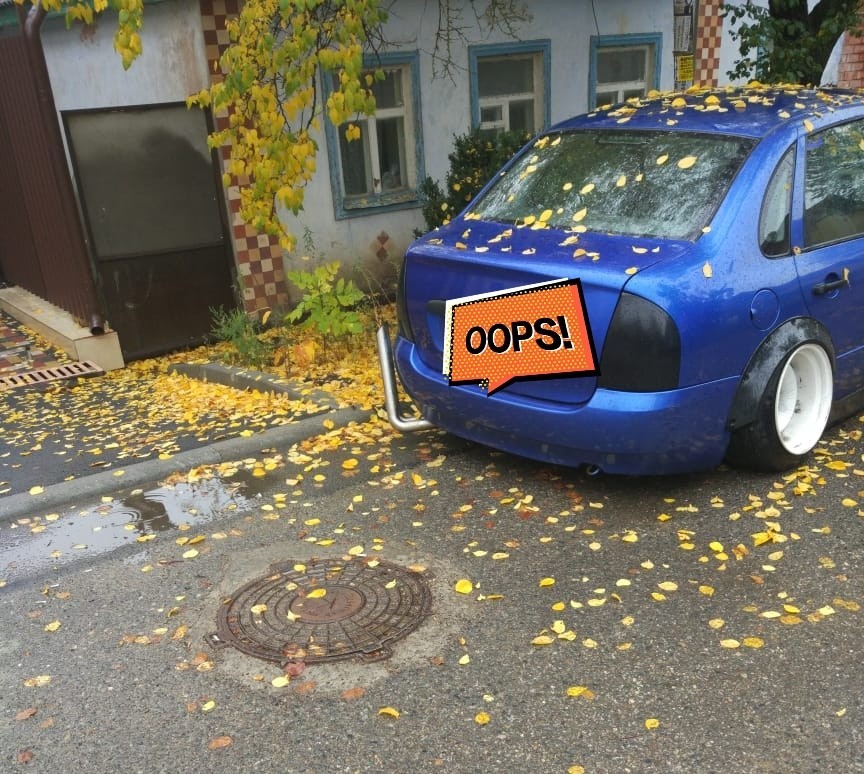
{"points": [[821, 288]]}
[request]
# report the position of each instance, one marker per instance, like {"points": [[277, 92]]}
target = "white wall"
{"points": [[86, 71]]}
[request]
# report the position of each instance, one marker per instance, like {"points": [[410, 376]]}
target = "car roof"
{"points": [[752, 111]]}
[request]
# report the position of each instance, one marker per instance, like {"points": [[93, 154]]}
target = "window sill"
{"points": [[358, 206]]}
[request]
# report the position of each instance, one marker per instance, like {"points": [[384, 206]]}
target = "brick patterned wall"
{"points": [[258, 256], [709, 34], [850, 71]]}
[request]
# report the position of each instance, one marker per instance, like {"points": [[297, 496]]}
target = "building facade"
{"points": [[363, 206]]}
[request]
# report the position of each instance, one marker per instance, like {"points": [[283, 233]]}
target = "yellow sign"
{"points": [[684, 68]]}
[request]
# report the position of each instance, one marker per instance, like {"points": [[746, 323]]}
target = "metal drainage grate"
{"points": [[53, 374], [365, 606]]}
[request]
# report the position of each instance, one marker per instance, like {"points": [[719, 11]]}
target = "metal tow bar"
{"points": [[391, 399]]}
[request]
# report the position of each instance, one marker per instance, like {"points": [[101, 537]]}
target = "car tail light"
{"points": [[401, 306], [642, 352]]}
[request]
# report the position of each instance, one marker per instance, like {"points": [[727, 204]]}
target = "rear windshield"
{"points": [[657, 184]]}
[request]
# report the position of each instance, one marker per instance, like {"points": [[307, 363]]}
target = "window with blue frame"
{"points": [[623, 66], [510, 86], [381, 169]]}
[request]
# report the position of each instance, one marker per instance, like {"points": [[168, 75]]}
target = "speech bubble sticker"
{"points": [[536, 331]]}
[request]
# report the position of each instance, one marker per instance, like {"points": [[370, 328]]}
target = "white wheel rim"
{"points": [[803, 401]]}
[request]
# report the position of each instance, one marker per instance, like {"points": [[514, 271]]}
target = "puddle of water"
{"points": [[77, 535]]}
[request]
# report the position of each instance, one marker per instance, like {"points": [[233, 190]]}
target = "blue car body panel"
{"points": [[723, 294]]}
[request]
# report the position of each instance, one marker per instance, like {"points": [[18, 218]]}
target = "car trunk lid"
{"points": [[471, 257]]}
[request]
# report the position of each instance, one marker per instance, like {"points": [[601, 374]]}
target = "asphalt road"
{"points": [[707, 623]]}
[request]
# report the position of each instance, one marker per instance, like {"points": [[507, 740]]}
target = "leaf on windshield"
{"points": [[580, 214], [587, 188], [662, 159], [686, 162]]}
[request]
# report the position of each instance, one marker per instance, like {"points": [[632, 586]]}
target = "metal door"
{"points": [[156, 226]]}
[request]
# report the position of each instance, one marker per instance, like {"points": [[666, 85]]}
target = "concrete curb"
{"points": [[24, 504], [246, 379]]}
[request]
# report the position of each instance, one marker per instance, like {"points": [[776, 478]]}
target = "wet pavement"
{"points": [[704, 623], [66, 430]]}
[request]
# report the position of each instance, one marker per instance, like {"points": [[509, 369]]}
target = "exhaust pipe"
{"points": [[391, 398], [593, 470]]}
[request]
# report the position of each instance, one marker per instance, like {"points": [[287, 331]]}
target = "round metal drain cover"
{"points": [[317, 610]]}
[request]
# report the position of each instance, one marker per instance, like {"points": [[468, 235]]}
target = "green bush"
{"points": [[241, 332], [328, 304], [476, 157]]}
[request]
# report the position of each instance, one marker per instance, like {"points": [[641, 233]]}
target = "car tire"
{"points": [[792, 413]]}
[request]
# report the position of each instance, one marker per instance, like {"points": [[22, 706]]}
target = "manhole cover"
{"points": [[318, 611]]}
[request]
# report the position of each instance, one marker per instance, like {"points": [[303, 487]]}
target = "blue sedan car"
{"points": [[718, 242]]}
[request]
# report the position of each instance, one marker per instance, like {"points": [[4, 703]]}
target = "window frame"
{"points": [[806, 235], [642, 40], [784, 250], [346, 206], [540, 51]]}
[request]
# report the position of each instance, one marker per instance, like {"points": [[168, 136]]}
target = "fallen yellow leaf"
{"points": [[580, 690], [38, 681], [543, 639]]}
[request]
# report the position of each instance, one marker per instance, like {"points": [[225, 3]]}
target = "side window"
{"points": [[774, 220], [623, 66], [510, 86], [380, 168], [834, 185]]}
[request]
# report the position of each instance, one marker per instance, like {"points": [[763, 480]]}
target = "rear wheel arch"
{"points": [[765, 360], [783, 401]]}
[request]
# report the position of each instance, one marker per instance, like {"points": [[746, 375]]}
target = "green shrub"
{"points": [[476, 157], [241, 332], [328, 304]]}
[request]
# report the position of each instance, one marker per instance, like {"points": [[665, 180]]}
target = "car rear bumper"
{"points": [[674, 431]]}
